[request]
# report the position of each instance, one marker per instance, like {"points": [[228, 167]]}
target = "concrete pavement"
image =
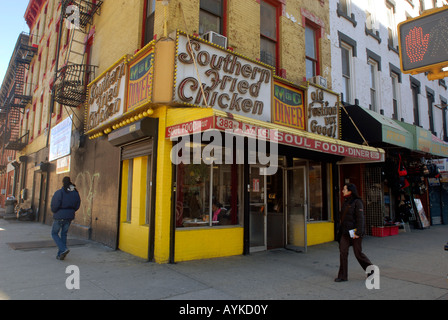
{"points": [[413, 266]]}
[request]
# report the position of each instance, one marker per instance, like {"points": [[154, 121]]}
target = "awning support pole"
{"points": [[357, 129]]}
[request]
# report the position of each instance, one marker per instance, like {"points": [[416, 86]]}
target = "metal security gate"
{"points": [[136, 150], [373, 198]]}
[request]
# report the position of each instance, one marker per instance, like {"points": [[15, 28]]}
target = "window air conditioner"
{"points": [[320, 81], [216, 38]]}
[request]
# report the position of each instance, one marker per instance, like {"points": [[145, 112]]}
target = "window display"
{"points": [[208, 195]]}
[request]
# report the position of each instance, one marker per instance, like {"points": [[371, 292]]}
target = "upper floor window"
{"points": [[392, 27], [371, 21], [150, 8], [395, 95], [347, 74], [312, 35], [426, 5], [269, 33], [431, 100], [444, 122], [373, 66], [344, 10], [211, 16], [344, 7], [415, 88]]}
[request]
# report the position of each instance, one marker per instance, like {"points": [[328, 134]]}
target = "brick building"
{"points": [[116, 90]]}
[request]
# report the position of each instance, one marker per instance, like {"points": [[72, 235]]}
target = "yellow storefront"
{"points": [[242, 163]]}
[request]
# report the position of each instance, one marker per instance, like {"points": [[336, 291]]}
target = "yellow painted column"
{"points": [[163, 192]]}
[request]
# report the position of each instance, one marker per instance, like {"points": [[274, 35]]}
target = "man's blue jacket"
{"points": [[65, 203]]}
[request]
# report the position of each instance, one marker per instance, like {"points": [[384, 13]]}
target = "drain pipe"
{"points": [[24, 161], [56, 66]]}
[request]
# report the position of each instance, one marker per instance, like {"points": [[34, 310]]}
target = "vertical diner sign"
{"points": [[288, 108], [140, 79]]}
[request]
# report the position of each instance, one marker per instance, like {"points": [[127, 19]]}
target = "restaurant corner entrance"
{"points": [[278, 207]]}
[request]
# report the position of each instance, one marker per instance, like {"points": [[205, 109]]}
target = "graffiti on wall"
{"points": [[87, 186]]}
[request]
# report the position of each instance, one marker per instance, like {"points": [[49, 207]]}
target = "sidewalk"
{"points": [[412, 266]]}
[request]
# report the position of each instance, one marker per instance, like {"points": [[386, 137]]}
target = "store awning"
{"points": [[190, 121], [377, 129], [425, 141]]}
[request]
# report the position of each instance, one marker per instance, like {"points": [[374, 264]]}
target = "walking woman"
{"points": [[351, 231]]}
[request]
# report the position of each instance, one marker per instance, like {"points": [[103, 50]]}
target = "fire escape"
{"points": [[15, 95], [72, 78]]}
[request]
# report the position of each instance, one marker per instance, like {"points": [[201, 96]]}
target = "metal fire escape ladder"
{"points": [[18, 95], [72, 78]]}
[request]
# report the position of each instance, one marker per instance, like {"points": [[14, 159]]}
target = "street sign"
{"points": [[423, 42]]}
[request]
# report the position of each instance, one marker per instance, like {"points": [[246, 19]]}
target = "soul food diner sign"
{"points": [[231, 83]]}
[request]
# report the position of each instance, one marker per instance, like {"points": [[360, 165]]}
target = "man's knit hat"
{"points": [[66, 182]]}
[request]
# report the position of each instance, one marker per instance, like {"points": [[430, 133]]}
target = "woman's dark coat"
{"points": [[352, 216]]}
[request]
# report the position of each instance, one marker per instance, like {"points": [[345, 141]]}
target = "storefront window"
{"points": [[316, 196], [193, 194], [317, 189], [208, 195]]}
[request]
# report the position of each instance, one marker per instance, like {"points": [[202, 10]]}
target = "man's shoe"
{"points": [[339, 280], [64, 254], [446, 247]]}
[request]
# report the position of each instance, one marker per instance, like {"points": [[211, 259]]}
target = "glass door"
{"points": [[258, 207], [296, 209]]}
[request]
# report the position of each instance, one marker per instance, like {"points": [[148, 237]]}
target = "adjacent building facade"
{"points": [[404, 114], [192, 129]]}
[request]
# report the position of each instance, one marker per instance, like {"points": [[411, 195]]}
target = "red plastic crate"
{"points": [[393, 230], [380, 231]]}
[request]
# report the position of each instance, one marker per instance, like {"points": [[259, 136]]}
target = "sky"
{"points": [[12, 24]]}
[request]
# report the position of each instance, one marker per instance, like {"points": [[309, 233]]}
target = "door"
{"points": [[435, 204], [36, 196], [257, 203], [137, 212], [275, 219], [444, 196], [296, 209]]}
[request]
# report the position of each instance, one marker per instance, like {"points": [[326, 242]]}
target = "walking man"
{"points": [[64, 204]]}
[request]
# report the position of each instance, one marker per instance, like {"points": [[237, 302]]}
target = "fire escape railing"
{"points": [[14, 95], [70, 86]]}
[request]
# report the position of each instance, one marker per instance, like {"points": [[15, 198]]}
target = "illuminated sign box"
{"points": [[423, 42]]}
